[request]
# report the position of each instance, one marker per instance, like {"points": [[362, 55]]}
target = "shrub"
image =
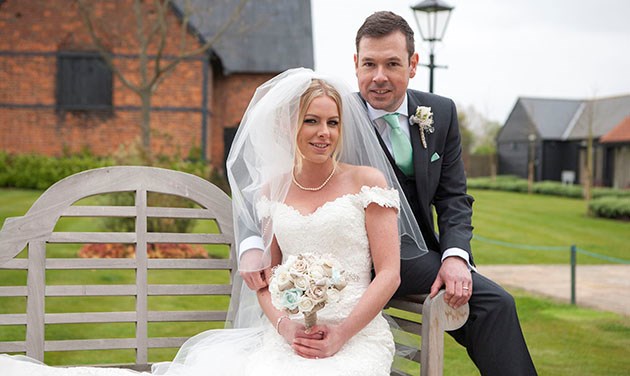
{"points": [[607, 192], [34, 171], [554, 188], [153, 251], [126, 224], [611, 207], [501, 183]]}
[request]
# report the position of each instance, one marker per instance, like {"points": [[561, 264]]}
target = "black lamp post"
{"points": [[432, 17]]}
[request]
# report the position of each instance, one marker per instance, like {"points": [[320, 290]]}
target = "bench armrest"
{"points": [[437, 317]]}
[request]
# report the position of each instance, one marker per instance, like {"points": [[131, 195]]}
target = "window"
{"points": [[84, 82]]}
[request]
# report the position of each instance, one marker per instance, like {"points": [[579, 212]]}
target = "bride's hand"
{"points": [[330, 342], [291, 330]]}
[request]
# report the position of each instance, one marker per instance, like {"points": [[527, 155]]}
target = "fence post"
{"points": [[573, 262]]}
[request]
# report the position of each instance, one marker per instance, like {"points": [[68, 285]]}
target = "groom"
{"points": [[428, 164]]}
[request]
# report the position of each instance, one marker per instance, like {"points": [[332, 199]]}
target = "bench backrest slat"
{"points": [[36, 229]]}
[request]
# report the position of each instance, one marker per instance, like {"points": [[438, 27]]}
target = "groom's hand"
{"points": [[255, 279], [455, 276]]}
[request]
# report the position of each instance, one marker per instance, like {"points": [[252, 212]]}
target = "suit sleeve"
{"points": [[452, 204]]}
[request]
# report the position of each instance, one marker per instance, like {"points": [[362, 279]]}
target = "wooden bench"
{"points": [[27, 250]]}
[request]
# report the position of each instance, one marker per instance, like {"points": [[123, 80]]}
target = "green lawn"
{"points": [[542, 221], [563, 340]]}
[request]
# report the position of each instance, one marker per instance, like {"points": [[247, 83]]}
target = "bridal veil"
{"points": [[262, 157]]}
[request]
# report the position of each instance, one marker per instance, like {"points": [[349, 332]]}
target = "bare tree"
{"points": [[487, 144], [467, 136], [152, 33], [588, 168]]}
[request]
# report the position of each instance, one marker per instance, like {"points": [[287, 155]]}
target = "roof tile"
{"points": [[620, 133]]}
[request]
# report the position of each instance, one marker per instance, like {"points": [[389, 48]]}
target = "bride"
{"points": [[307, 176]]}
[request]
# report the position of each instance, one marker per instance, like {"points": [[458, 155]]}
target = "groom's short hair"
{"points": [[383, 23]]}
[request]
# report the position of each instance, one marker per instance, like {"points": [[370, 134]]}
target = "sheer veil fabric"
{"points": [[262, 157]]}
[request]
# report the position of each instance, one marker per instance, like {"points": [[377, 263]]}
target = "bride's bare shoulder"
{"points": [[365, 175]]}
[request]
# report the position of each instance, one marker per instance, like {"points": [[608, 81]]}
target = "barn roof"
{"points": [[269, 36], [566, 119]]}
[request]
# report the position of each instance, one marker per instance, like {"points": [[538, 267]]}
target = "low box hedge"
{"points": [[611, 207], [554, 188], [32, 171]]}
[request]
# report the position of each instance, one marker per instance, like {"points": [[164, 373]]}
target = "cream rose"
{"points": [[305, 304], [300, 282], [333, 295], [299, 266], [283, 281], [317, 293]]}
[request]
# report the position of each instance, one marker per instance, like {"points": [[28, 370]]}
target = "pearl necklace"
{"points": [[316, 188]]}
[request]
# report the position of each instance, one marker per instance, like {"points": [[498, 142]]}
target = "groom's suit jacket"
{"points": [[439, 178]]}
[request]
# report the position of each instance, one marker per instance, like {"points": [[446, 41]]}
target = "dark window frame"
{"points": [[84, 82]]}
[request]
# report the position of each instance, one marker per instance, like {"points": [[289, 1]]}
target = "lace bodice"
{"points": [[336, 228]]}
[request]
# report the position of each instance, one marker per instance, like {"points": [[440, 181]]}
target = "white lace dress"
{"points": [[336, 228]]}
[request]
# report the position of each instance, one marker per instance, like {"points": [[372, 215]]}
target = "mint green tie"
{"points": [[400, 145]]}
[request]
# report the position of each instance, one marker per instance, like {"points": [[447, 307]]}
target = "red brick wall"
{"points": [[231, 97], [30, 124]]}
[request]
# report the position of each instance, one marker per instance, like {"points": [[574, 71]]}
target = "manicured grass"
{"points": [[563, 340], [15, 202], [542, 221]]}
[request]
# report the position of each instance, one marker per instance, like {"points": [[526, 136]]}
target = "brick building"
{"points": [[57, 95]]}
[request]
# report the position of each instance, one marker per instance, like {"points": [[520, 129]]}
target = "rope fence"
{"points": [[573, 250]]}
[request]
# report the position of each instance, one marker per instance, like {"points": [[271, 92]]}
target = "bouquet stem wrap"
{"points": [[310, 319]]}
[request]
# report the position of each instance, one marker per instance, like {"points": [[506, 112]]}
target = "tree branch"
{"points": [[107, 56], [184, 55]]}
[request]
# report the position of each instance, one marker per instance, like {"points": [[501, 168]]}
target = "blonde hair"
{"points": [[317, 89]]}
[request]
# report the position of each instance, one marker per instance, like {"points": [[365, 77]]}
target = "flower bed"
{"points": [[167, 251]]}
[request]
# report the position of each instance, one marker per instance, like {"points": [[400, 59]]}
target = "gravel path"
{"points": [[604, 287]]}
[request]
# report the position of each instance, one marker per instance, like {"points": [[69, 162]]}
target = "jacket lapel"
{"points": [[420, 157]]}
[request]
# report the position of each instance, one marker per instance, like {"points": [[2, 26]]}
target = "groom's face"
{"points": [[383, 69]]}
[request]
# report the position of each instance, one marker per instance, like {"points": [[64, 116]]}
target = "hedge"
{"points": [[611, 207], [32, 171], [554, 188], [606, 202], [40, 172]]}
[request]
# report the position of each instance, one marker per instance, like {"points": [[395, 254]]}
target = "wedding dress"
{"points": [[337, 228]]}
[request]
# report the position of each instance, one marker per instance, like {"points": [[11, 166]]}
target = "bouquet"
{"points": [[304, 284]]}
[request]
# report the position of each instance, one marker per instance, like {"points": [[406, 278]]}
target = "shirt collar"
{"points": [[373, 113]]}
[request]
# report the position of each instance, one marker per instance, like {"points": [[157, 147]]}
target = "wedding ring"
{"points": [[465, 288]]}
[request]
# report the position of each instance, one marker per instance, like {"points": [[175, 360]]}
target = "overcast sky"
{"points": [[498, 50]]}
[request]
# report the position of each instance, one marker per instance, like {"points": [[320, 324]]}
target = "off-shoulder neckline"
{"points": [[363, 189]]}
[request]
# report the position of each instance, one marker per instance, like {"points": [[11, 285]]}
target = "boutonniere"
{"points": [[424, 119]]}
